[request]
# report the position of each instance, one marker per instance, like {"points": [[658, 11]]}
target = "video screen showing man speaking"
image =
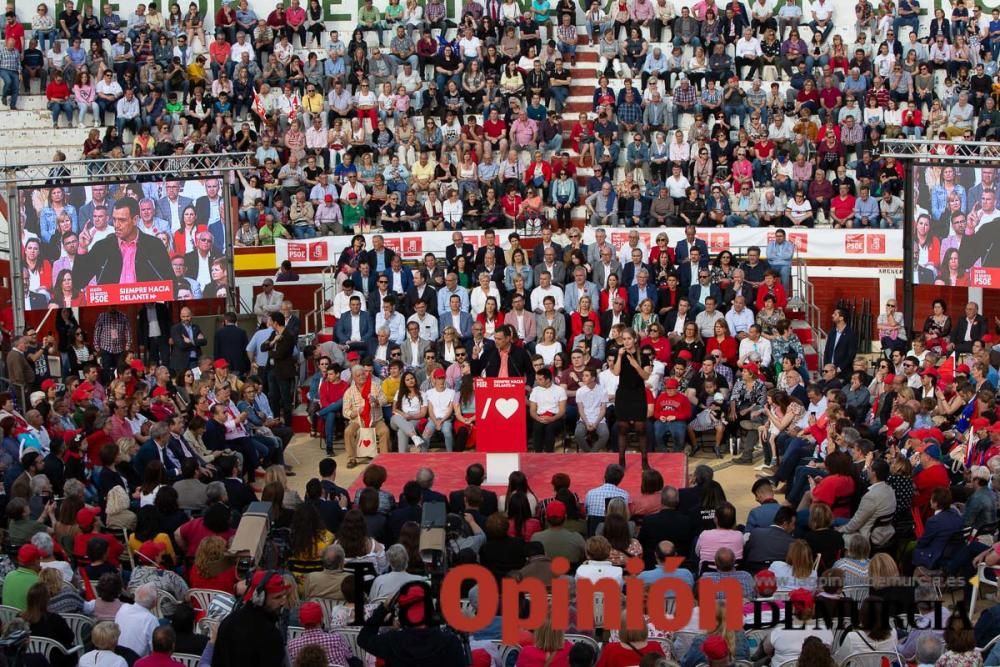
{"points": [[118, 243]]}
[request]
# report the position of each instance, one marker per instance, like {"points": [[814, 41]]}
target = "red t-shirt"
{"points": [[81, 540], [661, 346], [926, 481], [842, 208], [616, 655], [193, 532], [833, 488], [494, 130]]}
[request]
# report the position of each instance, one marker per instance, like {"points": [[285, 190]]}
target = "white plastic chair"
{"points": [[45, 646], [981, 580], [80, 625], [187, 659], [201, 598]]}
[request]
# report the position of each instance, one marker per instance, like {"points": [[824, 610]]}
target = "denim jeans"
{"points": [[329, 415], [59, 108], [304, 231], [40, 35], [446, 430], [93, 108], [677, 431], [801, 483], [11, 85]]}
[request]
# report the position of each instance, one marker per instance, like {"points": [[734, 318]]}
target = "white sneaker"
{"points": [[417, 440], [760, 467]]}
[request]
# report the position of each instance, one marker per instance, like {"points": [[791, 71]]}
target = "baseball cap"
{"points": [[47, 384], [137, 365], [801, 599], [328, 199], [275, 584], [980, 423], [931, 450], [221, 363], [160, 391], [28, 554], [685, 355], [894, 422], [80, 395], [715, 648], [766, 583], [555, 510], [311, 613], [963, 368], [671, 383], [85, 517], [353, 356], [438, 374]]}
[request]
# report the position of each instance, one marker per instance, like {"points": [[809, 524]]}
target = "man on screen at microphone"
{"points": [[504, 359], [126, 257]]}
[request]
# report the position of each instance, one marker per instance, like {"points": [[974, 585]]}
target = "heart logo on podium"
{"points": [[506, 407]]}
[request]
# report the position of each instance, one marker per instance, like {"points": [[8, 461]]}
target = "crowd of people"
{"points": [[876, 480], [469, 113]]}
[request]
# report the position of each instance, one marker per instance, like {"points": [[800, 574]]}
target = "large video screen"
{"points": [[956, 226], [102, 244]]}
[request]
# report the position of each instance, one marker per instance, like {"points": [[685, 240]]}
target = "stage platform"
{"points": [[585, 470]]}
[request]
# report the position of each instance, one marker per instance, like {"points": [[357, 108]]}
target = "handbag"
{"points": [[367, 443]]}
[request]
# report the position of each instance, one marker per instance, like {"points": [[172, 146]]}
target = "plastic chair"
{"points": [[7, 614], [981, 580], [187, 659], [350, 635], [45, 646], [81, 626], [201, 598]]}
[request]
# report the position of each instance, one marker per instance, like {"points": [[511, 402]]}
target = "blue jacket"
{"points": [[463, 326], [682, 251], [342, 331], [932, 547]]}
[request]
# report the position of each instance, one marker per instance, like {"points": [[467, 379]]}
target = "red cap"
{"points": [[47, 384], [980, 423], [311, 613], [328, 199], [766, 583], [890, 378], [801, 599], [438, 374], [963, 368], [685, 355], [481, 658], [151, 551], [715, 647], [411, 603], [160, 391], [28, 554], [85, 518], [138, 366], [894, 422], [221, 363], [352, 196], [353, 356], [671, 383], [556, 509], [80, 395], [995, 428], [987, 339], [86, 386], [276, 584]]}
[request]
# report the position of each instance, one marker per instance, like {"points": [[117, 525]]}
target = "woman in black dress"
{"points": [[632, 369]]}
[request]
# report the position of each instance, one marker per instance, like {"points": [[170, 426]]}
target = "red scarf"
{"points": [[366, 409]]}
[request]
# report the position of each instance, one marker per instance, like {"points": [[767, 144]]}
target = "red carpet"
{"points": [[585, 470]]}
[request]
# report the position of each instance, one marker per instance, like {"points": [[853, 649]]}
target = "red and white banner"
{"points": [[813, 244], [123, 295], [501, 415]]}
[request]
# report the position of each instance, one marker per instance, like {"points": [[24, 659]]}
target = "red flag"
{"points": [[258, 105], [295, 108], [366, 409]]}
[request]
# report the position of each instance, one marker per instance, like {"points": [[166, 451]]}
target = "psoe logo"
{"points": [[854, 244], [298, 252]]}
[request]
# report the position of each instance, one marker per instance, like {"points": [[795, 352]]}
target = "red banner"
{"points": [[980, 277], [501, 415], [121, 295]]}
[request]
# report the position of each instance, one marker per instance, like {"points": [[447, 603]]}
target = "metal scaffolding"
{"points": [[937, 150]]}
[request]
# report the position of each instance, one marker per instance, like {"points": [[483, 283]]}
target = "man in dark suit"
{"points": [[364, 278], [239, 492], [538, 253], [703, 289], [211, 210], [145, 258], [670, 319], [683, 250], [475, 475], [668, 524], [282, 375], [933, 547], [171, 208], [198, 262], [420, 291], [688, 272], [409, 510], [231, 343], [158, 346], [771, 542], [504, 359], [344, 331], [186, 341], [459, 247], [425, 478], [380, 257], [490, 243], [633, 209], [616, 314], [841, 345], [968, 329], [155, 449]]}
